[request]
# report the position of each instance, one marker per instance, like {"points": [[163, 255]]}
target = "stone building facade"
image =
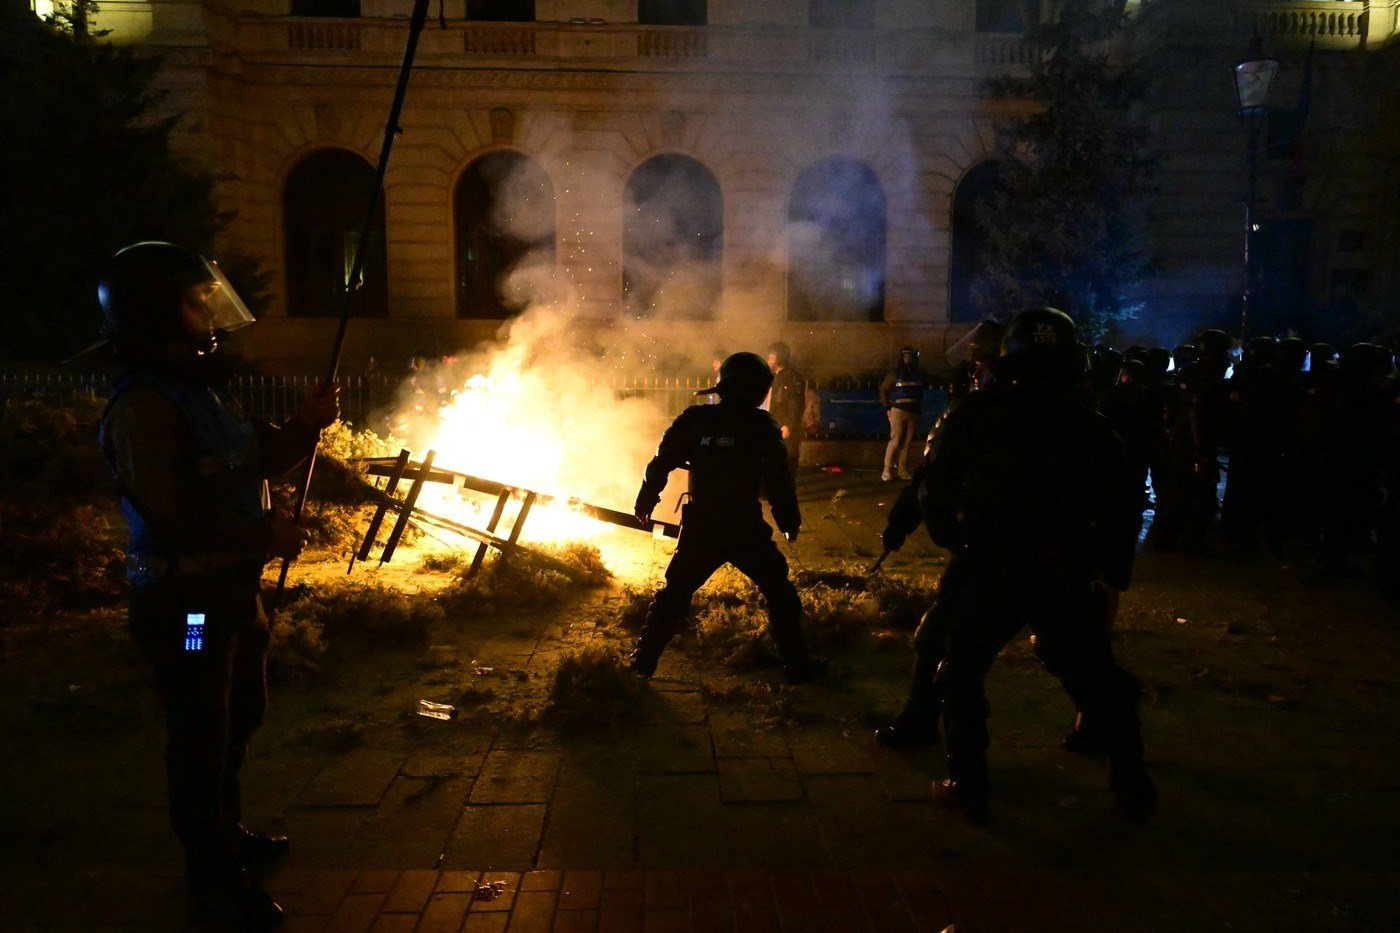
{"points": [[718, 174]]}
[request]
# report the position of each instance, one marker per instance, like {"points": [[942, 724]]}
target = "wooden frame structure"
{"points": [[395, 470]]}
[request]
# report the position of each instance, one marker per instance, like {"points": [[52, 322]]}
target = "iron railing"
{"points": [[848, 404]]}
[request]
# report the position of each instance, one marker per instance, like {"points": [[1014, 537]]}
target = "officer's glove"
{"points": [[892, 538], [288, 538], [322, 406], [643, 516], [790, 534]]}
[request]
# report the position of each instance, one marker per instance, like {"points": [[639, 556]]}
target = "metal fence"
{"points": [[848, 404]]}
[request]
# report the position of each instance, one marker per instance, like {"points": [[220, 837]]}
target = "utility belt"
{"points": [[146, 569]]}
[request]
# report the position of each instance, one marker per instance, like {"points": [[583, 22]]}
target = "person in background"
{"points": [[788, 401], [902, 394]]}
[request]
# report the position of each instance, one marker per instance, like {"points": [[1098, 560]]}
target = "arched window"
{"points": [[672, 239], [504, 215], [324, 206], [671, 12], [841, 14], [968, 245], [836, 244]]}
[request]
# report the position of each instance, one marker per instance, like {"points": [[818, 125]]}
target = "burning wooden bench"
{"points": [[397, 470]]}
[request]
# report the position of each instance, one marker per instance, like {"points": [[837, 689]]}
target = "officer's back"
{"points": [[735, 454], [1039, 472]]}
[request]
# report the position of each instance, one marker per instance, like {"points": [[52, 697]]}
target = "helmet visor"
{"points": [[214, 304], [976, 339]]}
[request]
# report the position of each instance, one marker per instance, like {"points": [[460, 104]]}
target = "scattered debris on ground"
{"points": [[593, 688]]}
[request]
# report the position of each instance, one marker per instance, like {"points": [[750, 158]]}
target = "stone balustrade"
{"points": [[672, 43], [270, 39], [323, 35]]}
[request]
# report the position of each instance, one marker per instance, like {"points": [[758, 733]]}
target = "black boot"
{"points": [[799, 667], [647, 654], [231, 898], [1133, 786], [256, 849], [910, 728], [966, 787], [917, 722], [1083, 740], [804, 670]]}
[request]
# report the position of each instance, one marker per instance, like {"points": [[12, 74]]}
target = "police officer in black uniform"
{"points": [[1031, 490], [192, 470], [916, 723], [735, 453]]}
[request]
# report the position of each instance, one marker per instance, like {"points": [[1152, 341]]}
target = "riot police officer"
{"points": [[735, 453], [916, 723], [192, 468], [1031, 491]]}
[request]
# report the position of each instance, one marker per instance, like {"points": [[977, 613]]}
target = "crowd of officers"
{"points": [[1309, 435]]}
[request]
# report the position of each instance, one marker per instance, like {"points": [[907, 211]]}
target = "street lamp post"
{"points": [[1252, 80]]}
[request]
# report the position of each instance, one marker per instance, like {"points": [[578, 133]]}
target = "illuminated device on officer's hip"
{"points": [[194, 631]]}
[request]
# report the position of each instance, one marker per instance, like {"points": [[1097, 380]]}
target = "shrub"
{"points": [[60, 541], [369, 612], [593, 688], [531, 579]]}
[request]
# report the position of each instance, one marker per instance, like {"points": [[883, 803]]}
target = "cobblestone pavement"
{"points": [[707, 815]]}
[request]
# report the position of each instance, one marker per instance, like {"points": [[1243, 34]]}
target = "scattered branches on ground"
{"points": [[541, 577], [366, 613], [593, 688]]}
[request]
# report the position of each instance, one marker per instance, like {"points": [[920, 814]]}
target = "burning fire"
{"points": [[545, 424]]}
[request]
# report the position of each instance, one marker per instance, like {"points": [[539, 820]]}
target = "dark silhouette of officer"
{"points": [[735, 454], [916, 723], [1030, 489], [192, 471]]}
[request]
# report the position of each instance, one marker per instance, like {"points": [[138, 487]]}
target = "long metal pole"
{"points": [[1251, 194], [391, 130]]}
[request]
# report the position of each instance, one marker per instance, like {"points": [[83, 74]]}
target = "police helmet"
{"points": [[743, 377], [1040, 345], [1368, 361], [1260, 350], [1214, 345], [912, 351], [1292, 353], [1105, 362], [156, 292], [1155, 363]]}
